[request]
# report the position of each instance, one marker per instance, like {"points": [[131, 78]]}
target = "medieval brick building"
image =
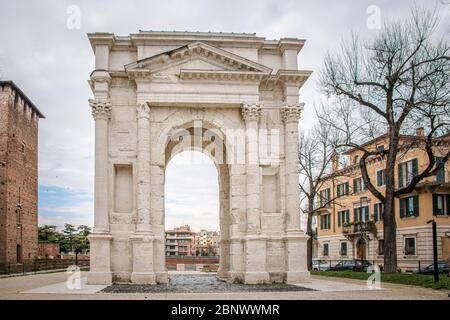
{"points": [[19, 119]]}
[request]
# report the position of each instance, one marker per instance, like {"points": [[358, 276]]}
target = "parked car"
{"points": [[343, 265], [361, 265], [320, 265], [354, 265], [442, 267]]}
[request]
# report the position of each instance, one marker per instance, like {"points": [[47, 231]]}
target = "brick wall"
{"points": [[18, 175]]}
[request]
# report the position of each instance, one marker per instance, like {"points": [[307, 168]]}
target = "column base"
{"points": [[103, 278], [256, 278], [222, 274], [235, 277], [162, 277], [143, 278]]}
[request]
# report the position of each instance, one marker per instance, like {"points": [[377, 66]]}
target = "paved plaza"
{"points": [[192, 286]]}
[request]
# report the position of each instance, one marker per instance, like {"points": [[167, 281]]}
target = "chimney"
{"points": [[335, 161], [420, 131]]}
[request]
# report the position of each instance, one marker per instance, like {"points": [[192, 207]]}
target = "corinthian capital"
{"points": [[251, 111], [101, 109], [292, 112], [142, 110]]}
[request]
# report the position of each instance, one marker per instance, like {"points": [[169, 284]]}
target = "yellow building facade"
{"points": [[349, 219]]}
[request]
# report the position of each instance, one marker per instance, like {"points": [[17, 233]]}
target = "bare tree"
{"points": [[391, 85], [316, 155]]}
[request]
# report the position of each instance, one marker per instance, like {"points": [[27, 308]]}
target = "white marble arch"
{"points": [[150, 88]]}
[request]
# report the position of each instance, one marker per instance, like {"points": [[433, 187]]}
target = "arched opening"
{"points": [[361, 249], [196, 201], [191, 211]]}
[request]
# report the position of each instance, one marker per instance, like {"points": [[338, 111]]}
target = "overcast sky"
{"points": [[52, 63]]}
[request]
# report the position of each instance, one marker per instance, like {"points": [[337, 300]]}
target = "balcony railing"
{"points": [[359, 227]]}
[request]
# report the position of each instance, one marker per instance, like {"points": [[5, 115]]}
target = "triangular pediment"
{"points": [[196, 56]]}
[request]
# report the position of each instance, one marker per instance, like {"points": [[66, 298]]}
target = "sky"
{"points": [[50, 59]]}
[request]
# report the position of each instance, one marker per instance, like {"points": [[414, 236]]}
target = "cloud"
{"points": [[52, 64]]}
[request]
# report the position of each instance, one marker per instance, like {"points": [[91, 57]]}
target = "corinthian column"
{"points": [[251, 114], [296, 239], [100, 239], [142, 240], [143, 168], [101, 111], [255, 244]]}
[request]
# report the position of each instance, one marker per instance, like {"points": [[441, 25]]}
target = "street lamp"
{"points": [[435, 253]]}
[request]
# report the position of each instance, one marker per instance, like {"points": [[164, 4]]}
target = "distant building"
{"points": [[207, 242], [19, 119], [180, 242]]}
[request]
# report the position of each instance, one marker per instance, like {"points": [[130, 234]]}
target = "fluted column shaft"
{"points": [[251, 114], [291, 115], [101, 111], [143, 168]]}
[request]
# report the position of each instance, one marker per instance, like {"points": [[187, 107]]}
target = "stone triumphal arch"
{"points": [[233, 97]]}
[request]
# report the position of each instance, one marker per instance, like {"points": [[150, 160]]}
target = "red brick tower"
{"points": [[19, 120]]}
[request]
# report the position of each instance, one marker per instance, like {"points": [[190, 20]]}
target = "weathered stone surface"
{"points": [[239, 108]]}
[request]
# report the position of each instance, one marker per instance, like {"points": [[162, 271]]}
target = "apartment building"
{"points": [[180, 241], [350, 221], [207, 242]]}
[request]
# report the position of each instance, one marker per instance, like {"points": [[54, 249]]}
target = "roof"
{"points": [[23, 96]]}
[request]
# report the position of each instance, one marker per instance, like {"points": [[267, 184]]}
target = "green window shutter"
{"points": [[367, 213], [355, 185], [339, 218], [328, 196], [347, 187], [400, 175], [416, 205], [402, 207], [415, 167], [355, 215], [440, 175], [347, 212], [435, 207], [375, 212]]}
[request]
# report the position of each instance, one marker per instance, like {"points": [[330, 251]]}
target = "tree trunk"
{"points": [[390, 234], [309, 232], [389, 222]]}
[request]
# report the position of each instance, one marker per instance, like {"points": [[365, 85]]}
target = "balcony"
{"points": [[350, 229]]}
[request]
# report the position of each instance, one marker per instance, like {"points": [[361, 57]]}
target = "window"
{"points": [[325, 196], [343, 248], [410, 246], [361, 214], [19, 254], [409, 207], [380, 247], [22, 147], [381, 178], [325, 249], [378, 211], [343, 189], [358, 185], [325, 222], [441, 204], [406, 171], [440, 174], [355, 159], [380, 148], [343, 217]]}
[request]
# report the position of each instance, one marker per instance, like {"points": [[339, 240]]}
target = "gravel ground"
{"points": [[200, 284]]}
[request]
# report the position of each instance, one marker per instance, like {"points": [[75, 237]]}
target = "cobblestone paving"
{"points": [[200, 284]]}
